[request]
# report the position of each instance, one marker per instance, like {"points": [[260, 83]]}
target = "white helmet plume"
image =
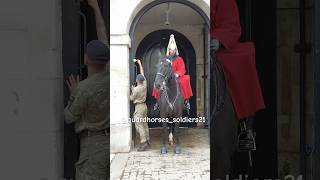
{"points": [[172, 45]]}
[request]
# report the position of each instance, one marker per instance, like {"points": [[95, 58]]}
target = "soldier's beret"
{"points": [[98, 52], [140, 77]]}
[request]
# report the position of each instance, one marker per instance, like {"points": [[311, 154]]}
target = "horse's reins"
{"points": [[164, 88]]}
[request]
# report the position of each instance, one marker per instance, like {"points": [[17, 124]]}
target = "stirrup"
{"points": [[156, 106], [246, 139], [187, 105]]}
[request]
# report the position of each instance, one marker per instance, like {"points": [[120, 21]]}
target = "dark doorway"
{"points": [[150, 50], [258, 20], [78, 28], [316, 156]]}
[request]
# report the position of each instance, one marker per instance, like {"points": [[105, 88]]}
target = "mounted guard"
{"points": [[179, 70], [243, 95]]}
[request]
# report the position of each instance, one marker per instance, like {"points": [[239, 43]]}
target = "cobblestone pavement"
{"points": [[192, 163]]}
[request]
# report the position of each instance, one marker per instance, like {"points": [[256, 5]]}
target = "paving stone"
{"points": [[192, 163]]}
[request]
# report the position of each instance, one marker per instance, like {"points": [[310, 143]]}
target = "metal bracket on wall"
{"points": [[84, 38]]}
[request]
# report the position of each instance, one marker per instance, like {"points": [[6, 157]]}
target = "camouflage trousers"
{"points": [[141, 127], [93, 163]]}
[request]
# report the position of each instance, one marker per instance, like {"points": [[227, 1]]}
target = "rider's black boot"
{"points": [[156, 106], [187, 104]]}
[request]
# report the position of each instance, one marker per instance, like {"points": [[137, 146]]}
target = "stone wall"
{"points": [[288, 85], [31, 93], [310, 109]]}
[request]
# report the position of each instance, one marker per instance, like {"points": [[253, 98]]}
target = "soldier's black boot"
{"points": [[143, 147]]}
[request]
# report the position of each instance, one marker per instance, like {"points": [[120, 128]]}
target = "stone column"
{"points": [[120, 127]]}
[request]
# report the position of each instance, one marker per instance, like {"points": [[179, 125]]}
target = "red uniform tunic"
{"points": [[178, 67], [238, 59]]}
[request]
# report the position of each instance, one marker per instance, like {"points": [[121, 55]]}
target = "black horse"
{"points": [[225, 140], [171, 103]]}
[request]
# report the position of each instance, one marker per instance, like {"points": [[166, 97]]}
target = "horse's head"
{"points": [[164, 73]]}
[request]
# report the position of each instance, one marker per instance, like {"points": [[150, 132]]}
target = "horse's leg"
{"points": [[224, 137], [170, 134], [164, 149], [176, 138]]}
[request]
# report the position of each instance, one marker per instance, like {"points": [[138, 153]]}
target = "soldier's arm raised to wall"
{"points": [[100, 25], [140, 66]]}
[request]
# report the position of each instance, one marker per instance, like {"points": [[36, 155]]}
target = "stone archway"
{"points": [[123, 47]]}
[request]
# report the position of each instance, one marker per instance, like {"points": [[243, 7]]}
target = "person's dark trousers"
{"points": [[224, 129]]}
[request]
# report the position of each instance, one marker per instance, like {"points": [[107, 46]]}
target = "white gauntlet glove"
{"points": [[214, 44]]}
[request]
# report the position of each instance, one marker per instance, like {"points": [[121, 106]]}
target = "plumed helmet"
{"points": [[172, 45]]}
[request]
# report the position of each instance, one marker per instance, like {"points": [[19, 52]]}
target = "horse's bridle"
{"points": [[164, 87]]}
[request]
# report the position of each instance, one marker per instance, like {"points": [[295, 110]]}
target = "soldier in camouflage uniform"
{"points": [[138, 96], [88, 107]]}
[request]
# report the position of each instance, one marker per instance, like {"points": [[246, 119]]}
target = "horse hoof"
{"points": [[164, 150], [177, 149]]}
